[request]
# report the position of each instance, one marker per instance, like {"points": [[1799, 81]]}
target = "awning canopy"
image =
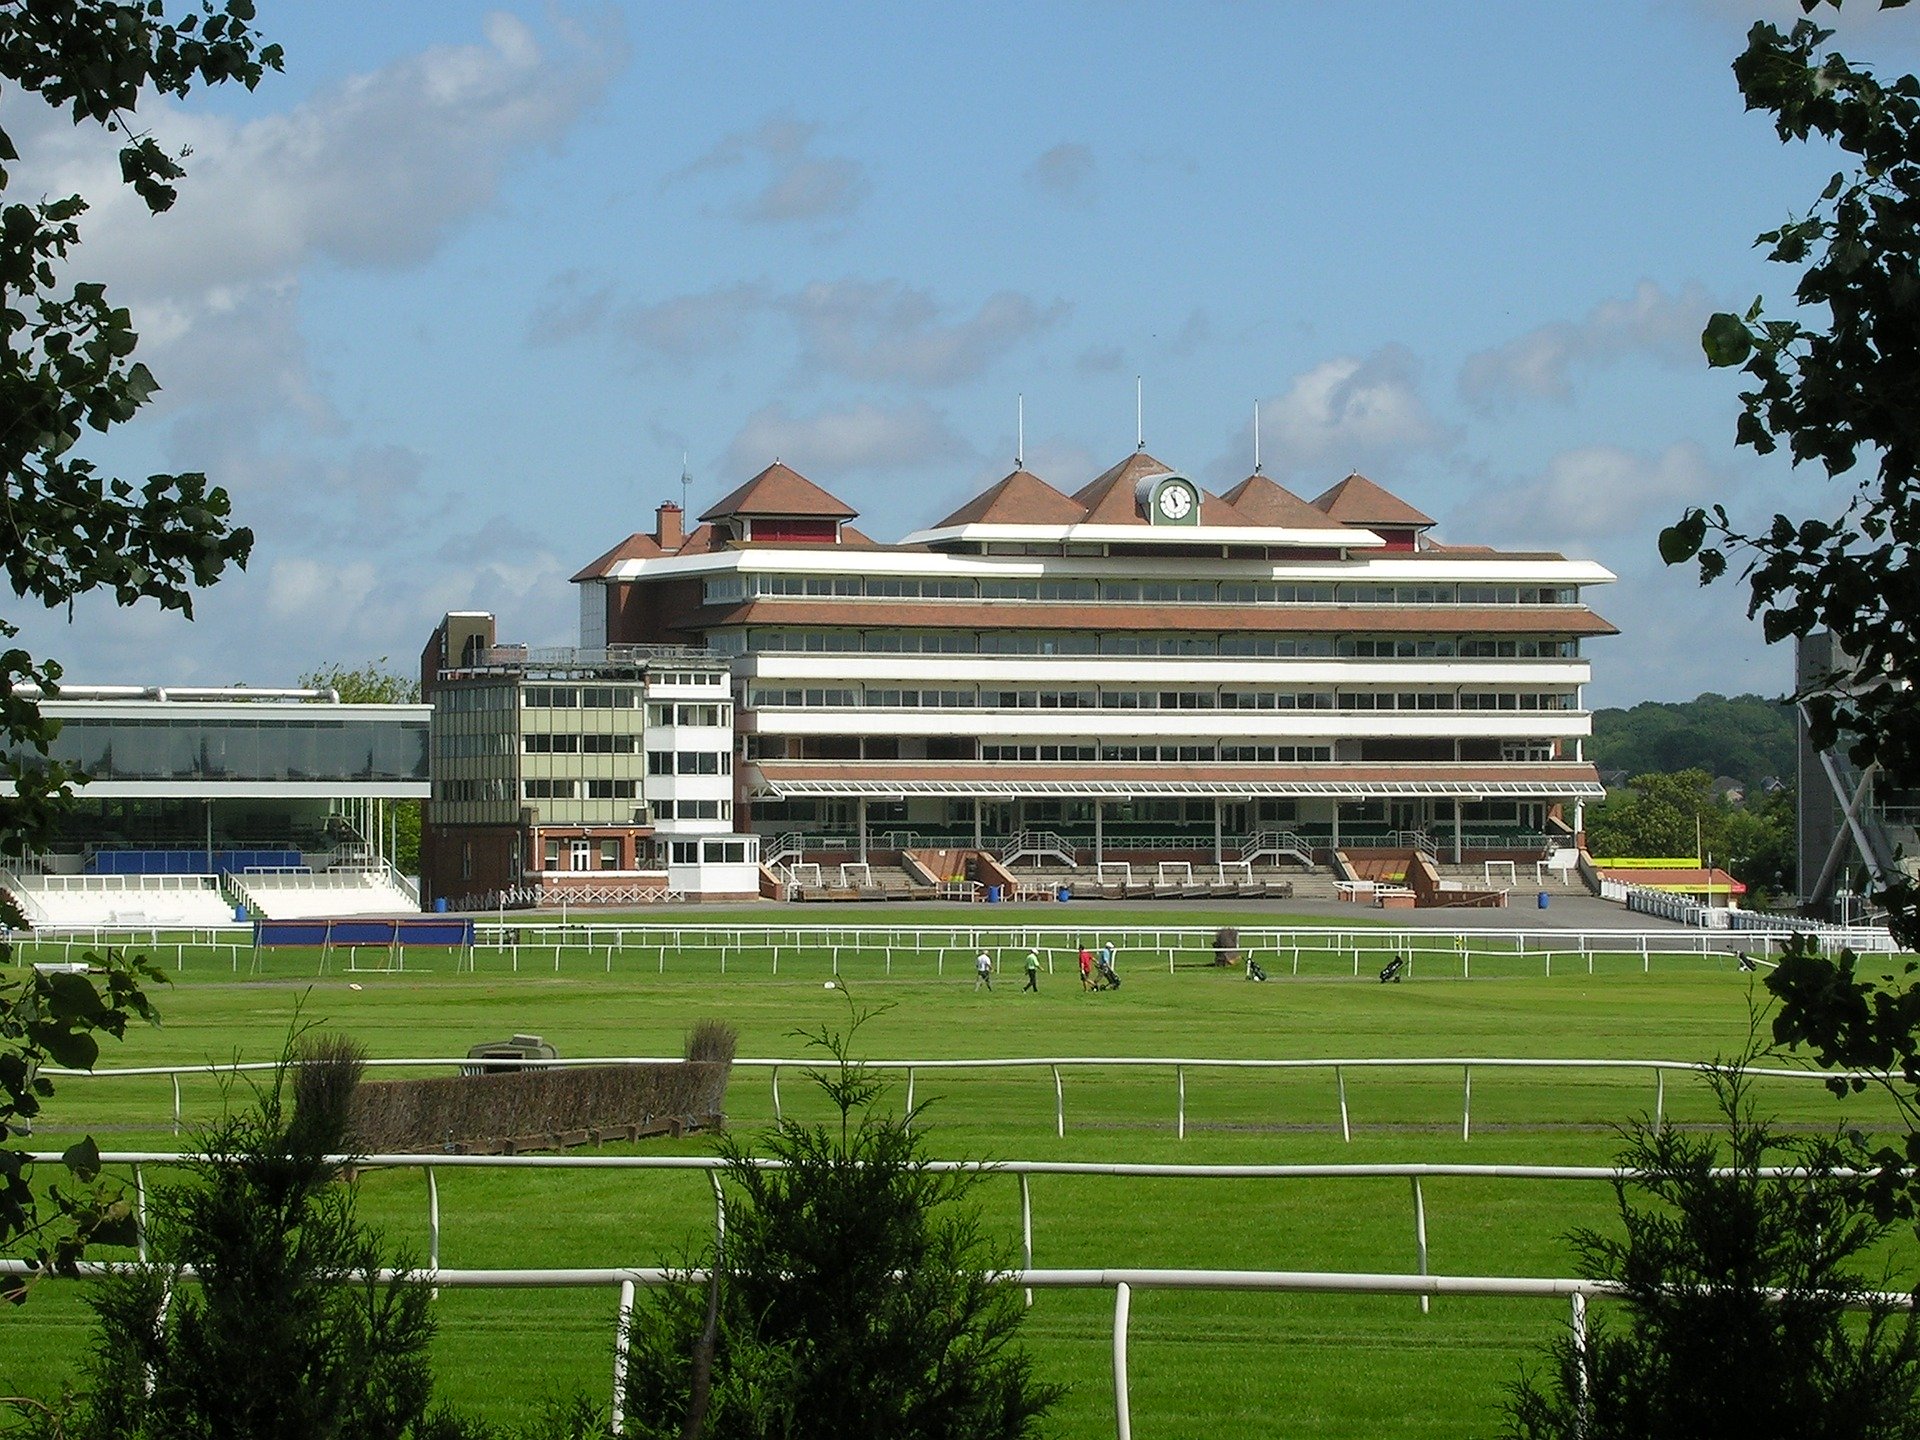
{"points": [[901, 780]]}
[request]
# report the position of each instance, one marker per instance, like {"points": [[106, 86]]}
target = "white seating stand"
{"points": [[1561, 863]]}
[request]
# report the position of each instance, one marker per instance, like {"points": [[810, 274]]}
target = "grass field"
{"points": [[1236, 1364]]}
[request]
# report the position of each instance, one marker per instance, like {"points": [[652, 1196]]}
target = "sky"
{"points": [[444, 306]]}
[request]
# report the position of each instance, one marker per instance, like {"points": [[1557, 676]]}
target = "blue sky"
{"points": [[444, 305]]}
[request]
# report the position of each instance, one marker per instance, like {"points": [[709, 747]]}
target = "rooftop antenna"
{"points": [[1139, 414], [686, 481], [1019, 432], [1256, 437]]}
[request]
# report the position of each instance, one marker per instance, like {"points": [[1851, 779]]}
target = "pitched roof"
{"points": [[1356, 500], [1022, 498], [1266, 502], [780, 490], [638, 546], [1109, 496]]}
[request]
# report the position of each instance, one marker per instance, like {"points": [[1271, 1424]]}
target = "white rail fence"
{"points": [[1658, 1070], [1122, 1282], [762, 948]]}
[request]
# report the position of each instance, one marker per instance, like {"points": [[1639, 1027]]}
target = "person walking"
{"points": [[1086, 968], [1107, 953], [983, 971], [1033, 972]]}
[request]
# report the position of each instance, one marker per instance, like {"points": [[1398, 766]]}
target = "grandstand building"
{"points": [[1137, 665], [591, 775], [202, 802]]}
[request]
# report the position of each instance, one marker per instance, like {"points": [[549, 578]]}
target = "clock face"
{"points": [[1175, 502]]}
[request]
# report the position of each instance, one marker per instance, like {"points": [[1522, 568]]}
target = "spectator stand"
{"points": [[357, 935]]}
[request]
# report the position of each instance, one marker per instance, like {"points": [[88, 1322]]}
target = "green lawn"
{"points": [[1234, 1364]]}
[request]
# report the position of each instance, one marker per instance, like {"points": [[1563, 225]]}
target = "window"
{"points": [[684, 852], [659, 762], [700, 762], [550, 789], [609, 854], [610, 789], [725, 852], [553, 854]]}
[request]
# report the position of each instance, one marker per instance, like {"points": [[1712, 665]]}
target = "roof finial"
{"points": [[1139, 414], [1256, 437], [1019, 432]]}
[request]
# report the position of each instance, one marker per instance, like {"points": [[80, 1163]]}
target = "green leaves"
{"points": [[1726, 341], [1680, 542]]}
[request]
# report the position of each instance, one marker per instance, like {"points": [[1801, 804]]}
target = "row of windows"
{"points": [[689, 714], [722, 589], [1173, 754], [689, 762], [300, 748], [580, 744], [579, 789], [1089, 698], [709, 678], [713, 852], [472, 792], [467, 699], [1242, 643], [693, 809], [580, 697]]}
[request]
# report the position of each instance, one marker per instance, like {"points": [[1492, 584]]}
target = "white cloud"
{"points": [[1598, 494], [859, 437], [797, 185], [885, 330], [1349, 413], [872, 330], [374, 172], [1539, 365], [1064, 173]]}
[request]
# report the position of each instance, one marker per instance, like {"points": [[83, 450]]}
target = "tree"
{"points": [[66, 367], [374, 684], [1838, 380], [854, 1296], [369, 684], [66, 529], [1738, 1291], [54, 1017], [1659, 815], [287, 1332]]}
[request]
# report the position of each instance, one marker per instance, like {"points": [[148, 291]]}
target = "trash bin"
{"points": [[240, 912], [440, 905], [993, 894], [1063, 893], [1545, 899]]}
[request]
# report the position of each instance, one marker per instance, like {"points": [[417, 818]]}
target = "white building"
{"points": [[1140, 665]]}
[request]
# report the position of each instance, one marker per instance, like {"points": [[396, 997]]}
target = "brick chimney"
{"points": [[669, 529]]}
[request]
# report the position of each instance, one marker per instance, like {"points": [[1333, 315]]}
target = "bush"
{"points": [[287, 1332], [1741, 1303], [853, 1296]]}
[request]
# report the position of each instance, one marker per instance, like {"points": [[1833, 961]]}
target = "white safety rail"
{"points": [[1111, 872], [700, 946], [1175, 872], [1512, 877], [1057, 1067], [1235, 872], [1420, 1284]]}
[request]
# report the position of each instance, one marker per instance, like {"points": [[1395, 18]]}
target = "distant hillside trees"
{"points": [[1747, 737], [1666, 815]]}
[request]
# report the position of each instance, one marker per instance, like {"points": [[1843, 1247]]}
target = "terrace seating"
{"points": [[298, 895], [182, 902]]}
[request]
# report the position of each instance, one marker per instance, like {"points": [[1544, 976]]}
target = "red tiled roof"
{"points": [[1357, 501], [1121, 615], [1109, 497], [637, 546], [1265, 502], [1022, 498], [780, 490]]}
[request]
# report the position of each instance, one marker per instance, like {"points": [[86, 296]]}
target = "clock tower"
{"points": [[1169, 499]]}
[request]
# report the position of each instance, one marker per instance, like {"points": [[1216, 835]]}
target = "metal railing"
{"points": [[1054, 1065], [1122, 1281], [1037, 845]]}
